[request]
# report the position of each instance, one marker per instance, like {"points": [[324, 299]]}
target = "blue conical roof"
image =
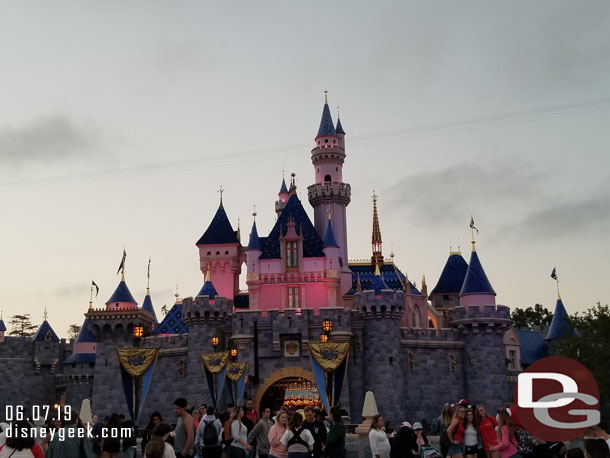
{"points": [[219, 230], [339, 128], [84, 335], [208, 289], [254, 243], [121, 294], [283, 188], [172, 323], [452, 276], [561, 326], [148, 306], [45, 328], [379, 284], [327, 126], [2, 326], [329, 238], [476, 281]]}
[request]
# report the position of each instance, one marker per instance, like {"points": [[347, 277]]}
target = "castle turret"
{"points": [[147, 305], [476, 288], [382, 310], [122, 297], [482, 325], [377, 257], [446, 293], [283, 197], [331, 252], [208, 288], [561, 325], [253, 253], [221, 251], [329, 190]]}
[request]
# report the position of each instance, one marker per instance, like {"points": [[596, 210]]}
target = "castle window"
{"points": [[293, 297], [226, 253], [327, 179], [326, 140], [445, 297], [512, 355], [336, 169], [334, 141], [218, 253], [209, 253], [292, 259]]}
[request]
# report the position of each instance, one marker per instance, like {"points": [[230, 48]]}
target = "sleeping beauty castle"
{"points": [[312, 327]]}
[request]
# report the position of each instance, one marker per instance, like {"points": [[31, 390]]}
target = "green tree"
{"points": [[73, 331], [22, 326], [531, 317], [591, 346]]}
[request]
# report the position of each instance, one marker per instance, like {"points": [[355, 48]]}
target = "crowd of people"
{"points": [[468, 431], [465, 431]]}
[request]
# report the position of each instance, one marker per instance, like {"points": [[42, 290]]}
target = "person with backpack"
{"points": [[508, 443], [260, 434], [208, 437], [297, 439]]}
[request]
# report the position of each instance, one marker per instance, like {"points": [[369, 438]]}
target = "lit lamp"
{"points": [[215, 342], [138, 331], [327, 326], [324, 338], [233, 352]]}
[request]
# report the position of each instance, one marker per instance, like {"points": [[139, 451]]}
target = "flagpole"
{"points": [[91, 296]]}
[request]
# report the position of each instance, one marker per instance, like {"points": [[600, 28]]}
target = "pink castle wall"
{"points": [[477, 299]]}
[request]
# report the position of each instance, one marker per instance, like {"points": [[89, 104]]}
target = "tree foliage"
{"points": [[531, 317], [591, 346], [22, 326], [73, 331]]}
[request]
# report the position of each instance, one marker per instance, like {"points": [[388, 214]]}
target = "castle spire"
{"points": [[220, 191], [254, 243], [376, 238], [339, 128], [327, 127], [293, 183]]}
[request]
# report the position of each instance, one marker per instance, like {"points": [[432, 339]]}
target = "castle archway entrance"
{"points": [[293, 387]]}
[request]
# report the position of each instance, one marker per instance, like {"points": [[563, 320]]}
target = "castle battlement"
{"points": [[491, 317], [170, 341], [386, 304], [320, 193], [202, 309], [430, 334]]}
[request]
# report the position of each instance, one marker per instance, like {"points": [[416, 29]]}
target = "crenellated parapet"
{"points": [[324, 193], [386, 304], [202, 309], [476, 318]]}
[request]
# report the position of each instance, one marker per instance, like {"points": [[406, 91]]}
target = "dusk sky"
{"points": [[120, 120]]}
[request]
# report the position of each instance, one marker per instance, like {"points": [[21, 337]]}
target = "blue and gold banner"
{"points": [[236, 372], [215, 369], [137, 365], [329, 363]]}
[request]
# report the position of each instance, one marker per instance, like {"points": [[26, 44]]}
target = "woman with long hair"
{"points": [[155, 419], [506, 447], [19, 443], [111, 446], [455, 432], [471, 435], [335, 440], [297, 439], [277, 449], [380, 445], [158, 442], [239, 434], [443, 422], [487, 429]]}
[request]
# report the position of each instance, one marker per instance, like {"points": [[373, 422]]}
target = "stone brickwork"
{"points": [[412, 372]]}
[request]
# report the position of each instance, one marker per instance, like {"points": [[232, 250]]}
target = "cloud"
{"points": [[587, 217], [45, 140], [474, 187]]}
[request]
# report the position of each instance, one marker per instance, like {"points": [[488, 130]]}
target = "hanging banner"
{"points": [[329, 364], [137, 365], [215, 369], [237, 374]]}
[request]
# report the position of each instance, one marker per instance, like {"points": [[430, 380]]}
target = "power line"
{"points": [[496, 120]]}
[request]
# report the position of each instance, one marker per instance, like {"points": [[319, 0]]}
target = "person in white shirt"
{"points": [[298, 440], [380, 445], [239, 435]]}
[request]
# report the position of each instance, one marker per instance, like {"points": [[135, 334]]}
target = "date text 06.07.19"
{"points": [[37, 412]]}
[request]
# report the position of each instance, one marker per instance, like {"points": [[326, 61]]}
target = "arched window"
{"points": [[292, 259], [416, 317], [327, 179]]}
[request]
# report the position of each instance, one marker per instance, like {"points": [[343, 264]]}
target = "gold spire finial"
{"points": [[472, 228], [329, 212], [207, 273], [148, 278], [555, 277], [325, 97], [293, 183], [45, 314], [407, 284], [376, 238], [424, 287], [358, 284], [220, 191], [377, 272], [254, 213], [338, 112], [177, 295]]}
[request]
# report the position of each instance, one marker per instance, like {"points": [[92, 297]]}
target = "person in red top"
{"points": [[17, 445], [250, 412], [487, 428], [455, 431]]}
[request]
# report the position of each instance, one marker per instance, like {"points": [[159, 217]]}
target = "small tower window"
{"points": [[334, 141], [293, 297], [209, 253], [326, 140], [218, 253], [226, 253], [327, 179], [292, 259], [446, 297]]}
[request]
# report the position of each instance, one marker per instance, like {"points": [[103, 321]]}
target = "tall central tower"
{"points": [[330, 193]]}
